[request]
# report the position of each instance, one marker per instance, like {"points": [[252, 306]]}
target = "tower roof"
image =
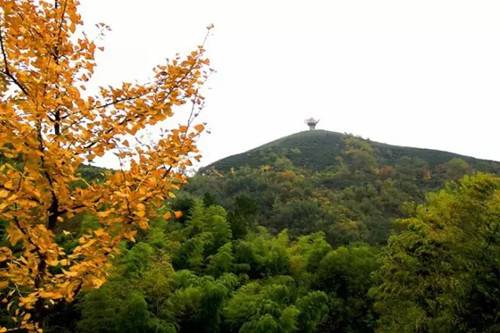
{"points": [[311, 122]]}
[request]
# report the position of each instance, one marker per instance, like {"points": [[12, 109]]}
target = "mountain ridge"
{"points": [[331, 145]]}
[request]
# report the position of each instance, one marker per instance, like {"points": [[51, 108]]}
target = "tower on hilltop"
{"points": [[311, 122]]}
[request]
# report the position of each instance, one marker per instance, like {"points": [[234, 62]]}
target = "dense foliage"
{"points": [[51, 124], [193, 275], [366, 186], [320, 149], [438, 273], [210, 270], [315, 232], [442, 273]]}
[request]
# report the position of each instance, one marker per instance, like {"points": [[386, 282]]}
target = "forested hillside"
{"points": [[281, 247], [321, 149], [345, 186]]}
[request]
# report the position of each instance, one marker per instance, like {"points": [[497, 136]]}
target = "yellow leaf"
{"points": [[100, 232], [50, 294], [28, 301], [90, 126], [130, 235], [14, 234], [199, 128], [3, 205], [5, 253], [104, 214]]}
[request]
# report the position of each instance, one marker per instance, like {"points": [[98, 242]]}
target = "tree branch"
{"points": [[6, 71], [53, 210]]}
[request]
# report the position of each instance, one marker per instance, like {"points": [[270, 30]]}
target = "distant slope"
{"points": [[347, 187], [320, 149]]}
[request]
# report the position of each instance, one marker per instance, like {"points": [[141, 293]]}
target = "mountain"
{"points": [[320, 149], [347, 187]]}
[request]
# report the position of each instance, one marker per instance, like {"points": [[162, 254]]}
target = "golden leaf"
{"points": [[100, 232], [199, 127], [50, 294], [14, 234], [5, 253], [87, 127], [105, 213]]}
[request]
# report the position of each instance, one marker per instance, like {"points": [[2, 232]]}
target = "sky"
{"points": [[414, 73]]}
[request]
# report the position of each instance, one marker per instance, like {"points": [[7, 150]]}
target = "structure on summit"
{"points": [[311, 122]]}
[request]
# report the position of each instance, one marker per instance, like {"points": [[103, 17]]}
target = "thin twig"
{"points": [[6, 71]]}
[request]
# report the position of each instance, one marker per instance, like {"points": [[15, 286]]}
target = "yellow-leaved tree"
{"points": [[49, 127]]}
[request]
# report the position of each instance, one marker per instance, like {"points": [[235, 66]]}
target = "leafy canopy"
{"points": [[441, 273], [50, 126]]}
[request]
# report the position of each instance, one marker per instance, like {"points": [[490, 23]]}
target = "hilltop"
{"points": [[320, 149], [350, 188]]}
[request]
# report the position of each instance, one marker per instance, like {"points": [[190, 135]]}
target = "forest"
{"points": [[314, 232], [284, 248]]}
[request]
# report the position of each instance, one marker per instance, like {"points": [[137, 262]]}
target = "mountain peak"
{"points": [[321, 149]]}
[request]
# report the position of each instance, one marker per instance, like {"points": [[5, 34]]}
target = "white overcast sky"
{"points": [[416, 73]]}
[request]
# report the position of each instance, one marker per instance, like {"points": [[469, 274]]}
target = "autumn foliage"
{"points": [[50, 126]]}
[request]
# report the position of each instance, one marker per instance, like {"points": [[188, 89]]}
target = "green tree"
{"points": [[345, 274], [441, 273], [222, 261], [132, 299]]}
